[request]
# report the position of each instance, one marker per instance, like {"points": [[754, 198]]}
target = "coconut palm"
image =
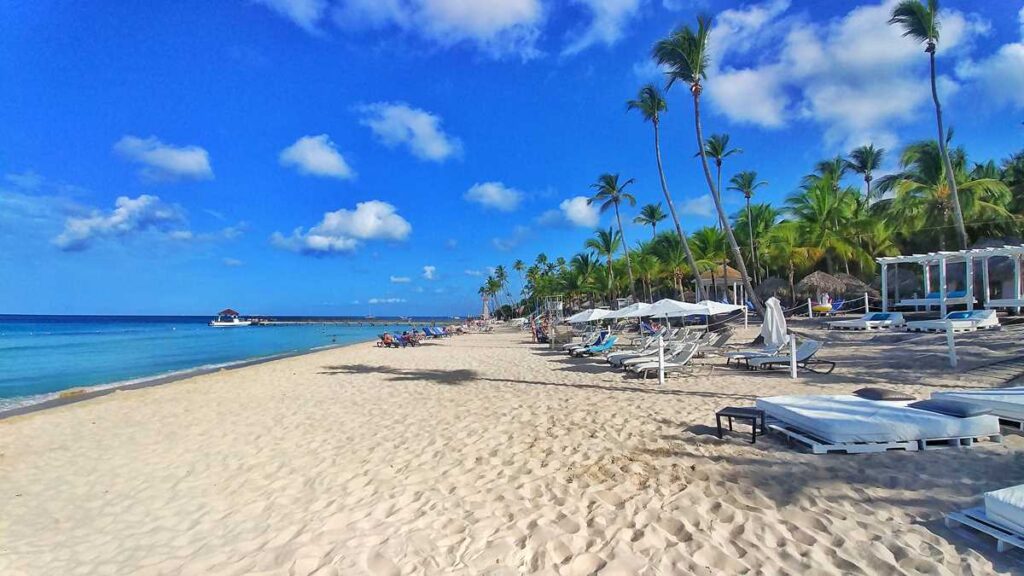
{"points": [[864, 160], [519, 266], [785, 250], [650, 215], [685, 53], [711, 249], [610, 194], [921, 23], [651, 104], [755, 221], [606, 243], [822, 216], [746, 183]]}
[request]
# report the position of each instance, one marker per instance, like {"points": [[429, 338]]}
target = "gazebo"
{"points": [[943, 297]]}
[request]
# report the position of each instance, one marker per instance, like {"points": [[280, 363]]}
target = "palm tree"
{"points": [[610, 193], [502, 277], [711, 250], [746, 183], [606, 243], [864, 160], [650, 215], [785, 250], [519, 266], [921, 23], [685, 52], [651, 104], [717, 148], [822, 216]]}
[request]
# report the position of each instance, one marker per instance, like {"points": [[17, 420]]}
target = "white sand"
{"points": [[483, 455]]}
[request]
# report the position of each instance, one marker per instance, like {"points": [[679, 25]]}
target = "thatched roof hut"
{"points": [[819, 282], [731, 275]]}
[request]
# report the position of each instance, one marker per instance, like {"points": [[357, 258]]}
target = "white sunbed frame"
{"points": [[1005, 303], [822, 446], [862, 324], [977, 519], [929, 302], [959, 325]]}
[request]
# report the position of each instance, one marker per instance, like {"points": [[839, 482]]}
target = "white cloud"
{"points": [[579, 213], [344, 230], [430, 272], [854, 75], [519, 234], [502, 28], [129, 216], [231, 262], [608, 19], [1001, 75], [161, 162], [386, 300], [396, 123], [400, 279], [699, 206], [494, 195], [304, 13], [316, 156], [473, 273]]}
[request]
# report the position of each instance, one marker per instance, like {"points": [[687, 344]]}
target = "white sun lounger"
{"points": [[679, 363], [869, 321], [851, 424], [1005, 403], [1001, 517], [967, 321], [804, 359]]}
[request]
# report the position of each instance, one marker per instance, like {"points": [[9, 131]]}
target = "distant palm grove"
{"points": [[838, 219]]}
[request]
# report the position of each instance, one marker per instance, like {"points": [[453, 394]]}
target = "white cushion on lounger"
{"points": [[1005, 402], [845, 419], [1006, 507]]}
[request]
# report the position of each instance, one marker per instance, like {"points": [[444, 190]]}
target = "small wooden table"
{"points": [[752, 415]]}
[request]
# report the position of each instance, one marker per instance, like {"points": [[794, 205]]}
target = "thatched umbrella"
{"points": [[772, 286], [818, 282], [855, 287]]}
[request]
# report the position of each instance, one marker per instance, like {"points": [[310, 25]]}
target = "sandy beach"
{"points": [[484, 454]]}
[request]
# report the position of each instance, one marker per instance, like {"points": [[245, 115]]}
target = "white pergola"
{"points": [[943, 298]]}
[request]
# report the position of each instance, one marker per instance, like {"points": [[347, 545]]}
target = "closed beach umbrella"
{"points": [[773, 330]]}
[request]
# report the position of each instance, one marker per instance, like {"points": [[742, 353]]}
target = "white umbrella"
{"points": [[588, 316], [773, 330], [674, 308], [718, 307], [631, 311]]}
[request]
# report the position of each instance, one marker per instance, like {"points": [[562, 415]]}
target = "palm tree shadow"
{"points": [[445, 377]]}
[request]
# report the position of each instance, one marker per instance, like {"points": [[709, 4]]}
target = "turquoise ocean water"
{"points": [[43, 355]]}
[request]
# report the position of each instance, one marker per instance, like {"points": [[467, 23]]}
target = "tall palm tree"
{"points": [[501, 275], [610, 194], [711, 250], [685, 52], [785, 250], [650, 215], [651, 104], [519, 266], [606, 243], [864, 160], [746, 183], [921, 23]]}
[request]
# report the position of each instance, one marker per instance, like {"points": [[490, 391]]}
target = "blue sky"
{"points": [[346, 156]]}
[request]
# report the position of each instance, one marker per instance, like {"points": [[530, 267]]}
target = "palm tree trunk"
{"points": [[718, 205], [867, 183], [625, 248], [611, 280], [675, 218], [750, 232], [960, 227]]}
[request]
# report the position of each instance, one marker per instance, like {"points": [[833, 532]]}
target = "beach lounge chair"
{"points": [[869, 321], [680, 362], [587, 338], [672, 349], [715, 344], [617, 358], [595, 342], [744, 356], [1007, 404], [1000, 516], [851, 424], [597, 349], [804, 359], [965, 321], [837, 307]]}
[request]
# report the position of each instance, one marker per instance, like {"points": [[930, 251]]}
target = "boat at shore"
{"points": [[229, 318]]}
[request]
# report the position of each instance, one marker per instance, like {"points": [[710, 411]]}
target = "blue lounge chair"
{"points": [[600, 340], [603, 347], [837, 306]]}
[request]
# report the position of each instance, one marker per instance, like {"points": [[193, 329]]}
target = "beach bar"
{"points": [[1010, 295]]}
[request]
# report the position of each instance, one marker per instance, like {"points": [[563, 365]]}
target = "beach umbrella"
{"points": [[731, 275], [631, 311], [711, 307], [588, 316], [819, 282], [668, 307], [773, 330]]}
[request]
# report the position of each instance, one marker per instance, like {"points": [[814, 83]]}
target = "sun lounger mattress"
{"points": [[846, 419], [1005, 402], [1006, 507]]}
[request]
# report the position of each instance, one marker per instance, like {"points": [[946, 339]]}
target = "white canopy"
{"points": [[773, 330], [718, 307], [673, 308], [631, 311], [588, 316]]}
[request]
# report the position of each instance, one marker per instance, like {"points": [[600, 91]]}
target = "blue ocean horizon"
{"points": [[41, 356]]}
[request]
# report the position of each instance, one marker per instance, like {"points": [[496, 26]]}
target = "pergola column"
{"points": [[1016, 282], [984, 281], [885, 289], [969, 272], [942, 286]]}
